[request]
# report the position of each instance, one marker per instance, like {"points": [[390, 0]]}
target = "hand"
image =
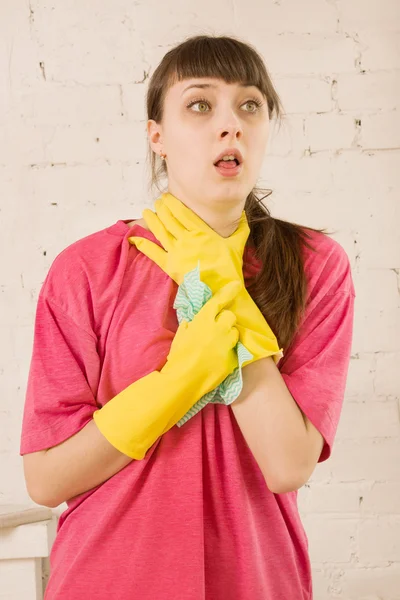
{"points": [[187, 239], [202, 352]]}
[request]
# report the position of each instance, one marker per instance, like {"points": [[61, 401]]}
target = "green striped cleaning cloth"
{"points": [[192, 294]]}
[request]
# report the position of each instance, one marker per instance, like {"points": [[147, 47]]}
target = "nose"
{"points": [[232, 131], [230, 123]]}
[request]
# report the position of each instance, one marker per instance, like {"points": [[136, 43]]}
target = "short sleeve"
{"points": [[62, 380], [316, 366]]}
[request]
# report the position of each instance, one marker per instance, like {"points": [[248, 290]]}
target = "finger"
{"points": [[235, 336], [227, 318], [223, 297], [157, 228], [182, 213], [182, 327], [244, 224], [151, 250], [243, 230], [172, 224]]}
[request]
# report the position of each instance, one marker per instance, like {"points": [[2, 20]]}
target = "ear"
{"points": [[154, 133]]}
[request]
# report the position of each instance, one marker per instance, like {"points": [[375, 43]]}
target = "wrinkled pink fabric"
{"points": [[193, 520]]}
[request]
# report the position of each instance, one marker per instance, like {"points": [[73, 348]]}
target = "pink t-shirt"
{"points": [[193, 520]]}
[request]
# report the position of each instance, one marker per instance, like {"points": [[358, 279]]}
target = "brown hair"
{"points": [[280, 287]]}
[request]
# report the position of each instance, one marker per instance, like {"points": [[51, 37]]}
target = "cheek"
{"points": [[186, 158], [190, 149], [260, 150]]}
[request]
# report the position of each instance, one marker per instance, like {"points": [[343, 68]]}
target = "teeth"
{"points": [[228, 157]]}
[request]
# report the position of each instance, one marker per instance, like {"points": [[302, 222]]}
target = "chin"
{"points": [[234, 196]]}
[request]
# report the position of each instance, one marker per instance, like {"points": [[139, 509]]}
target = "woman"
{"points": [[207, 510]]}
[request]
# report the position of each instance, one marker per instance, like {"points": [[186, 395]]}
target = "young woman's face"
{"points": [[198, 124]]}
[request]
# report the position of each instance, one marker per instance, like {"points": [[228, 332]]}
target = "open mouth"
{"points": [[228, 168], [228, 163]]}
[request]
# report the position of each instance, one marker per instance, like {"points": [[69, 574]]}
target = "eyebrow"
{"points": [[212, 85]]}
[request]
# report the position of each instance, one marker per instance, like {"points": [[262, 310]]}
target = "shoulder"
{"points": [[81, 272], [327, 266]]}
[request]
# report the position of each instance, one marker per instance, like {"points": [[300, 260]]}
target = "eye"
{"points": [[255, 101]]}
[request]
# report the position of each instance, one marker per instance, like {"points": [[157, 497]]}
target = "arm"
{"points": [[137, 416], [77, 465], [283, 441]]}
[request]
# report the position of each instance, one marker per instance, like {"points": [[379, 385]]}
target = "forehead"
{"points": [[208, 83]]}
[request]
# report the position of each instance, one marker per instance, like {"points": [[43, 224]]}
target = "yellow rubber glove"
{"points": [[202, 355], [186, 239]]}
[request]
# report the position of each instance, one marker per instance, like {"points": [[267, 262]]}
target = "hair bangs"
{"points": [[218, 57]]}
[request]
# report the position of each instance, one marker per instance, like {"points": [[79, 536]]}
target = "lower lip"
{"points": [[228, 171]]}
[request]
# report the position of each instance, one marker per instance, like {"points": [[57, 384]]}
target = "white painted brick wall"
{"points": [[72, 161]]}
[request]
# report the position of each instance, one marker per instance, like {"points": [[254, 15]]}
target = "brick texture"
{"points": [[72, 161]]}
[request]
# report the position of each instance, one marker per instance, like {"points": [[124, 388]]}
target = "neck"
{"points": [[223, 219]]}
